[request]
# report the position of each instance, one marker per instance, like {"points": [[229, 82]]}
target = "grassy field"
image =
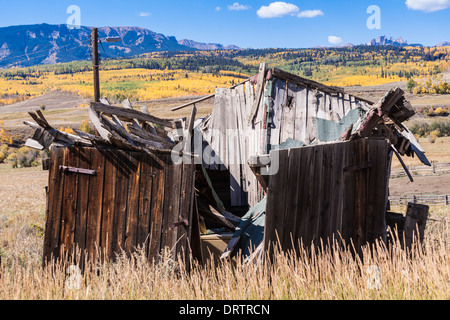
{"points": [[332, 273]]}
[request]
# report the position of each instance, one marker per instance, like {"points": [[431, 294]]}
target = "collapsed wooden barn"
{"points": [[280, 159]]}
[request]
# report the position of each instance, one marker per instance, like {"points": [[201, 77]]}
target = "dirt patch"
{"points": [[22, 189], [422, 184], [53, 100]]}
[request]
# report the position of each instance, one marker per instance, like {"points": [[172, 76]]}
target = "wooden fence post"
{"points": [[416, 220]]}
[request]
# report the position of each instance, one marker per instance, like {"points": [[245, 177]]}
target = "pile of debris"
{"points": [[125, 128]]}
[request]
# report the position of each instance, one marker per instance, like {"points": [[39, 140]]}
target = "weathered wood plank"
{"points": [[301, 104], [317, 188], [109, 183], [157, 210], [133, 202], [184, 233], [145, 203], [69, 205], [123, 176], [415, 222], [292, 189], [84, 161], [276, 201], [259, 92], [54, 203], [130, 114], [94, 213], [361, 188]]}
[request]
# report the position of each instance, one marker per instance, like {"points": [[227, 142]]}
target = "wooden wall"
{"points": [[131, 200], [326, 191], [289, 108]]}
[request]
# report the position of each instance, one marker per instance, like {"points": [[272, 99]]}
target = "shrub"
{"points": [[13, 159], [27, 157], [86, 127], [4, 150]]}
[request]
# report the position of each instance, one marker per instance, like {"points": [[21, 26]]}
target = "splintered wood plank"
{"points": [[122, 177], [309, 125], [130, 114], [84, 161], [54, 204], [277, 111], [94, 212], [301, 104], [233, 150], [157, 211], [145, 202], [108, 207], [69, 206], [289, 110], [259, 92], [133, 203]]}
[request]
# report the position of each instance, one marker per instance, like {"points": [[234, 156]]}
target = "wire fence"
{"points": [[434, 169], [428, 199]]}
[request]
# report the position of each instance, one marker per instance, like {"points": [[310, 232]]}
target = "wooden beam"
{"points": [[403, 164], [416, 220], [130, 114], [259, 92]]}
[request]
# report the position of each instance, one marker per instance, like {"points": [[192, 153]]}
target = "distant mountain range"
{"points": [[385, 41], [28, 45], [206, 46]]}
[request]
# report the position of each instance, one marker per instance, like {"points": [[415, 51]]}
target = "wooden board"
{"points": [[130, 202], [327, 193]]}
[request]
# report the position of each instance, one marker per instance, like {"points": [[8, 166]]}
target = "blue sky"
{"points": [[250, 23]]}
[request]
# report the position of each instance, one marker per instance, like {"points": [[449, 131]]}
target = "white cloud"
{"points": [[310, 14], [334, 39], [218, 9], [277, 9], [144, 14], [238, 7], [428, 5]]}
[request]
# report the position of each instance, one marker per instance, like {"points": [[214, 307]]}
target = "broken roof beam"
{"points": [[118, 136], [131, 114], [259, 92], [45, 134]]}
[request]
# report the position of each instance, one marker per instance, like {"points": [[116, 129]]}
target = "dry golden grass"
{"points": [[330, 273], [439, 151]]}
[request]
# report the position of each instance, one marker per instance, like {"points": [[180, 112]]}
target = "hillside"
{"points": [[28, 45]]}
